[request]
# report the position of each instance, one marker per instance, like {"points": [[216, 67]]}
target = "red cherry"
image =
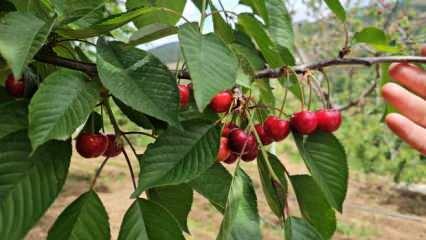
{"points": [[264, 138], [329, 120], [91, 145], [250, 156], [224, 151], [304, 122], [15, 88], [221, 102], [184, 93], [228, 128], [239, 141], [276, 128], [231, 159], [115, 146]]}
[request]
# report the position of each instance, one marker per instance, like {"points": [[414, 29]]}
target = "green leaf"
{"points": [[151, 32], [136, 117], [147, 220], [255, 29], [81, 13], [241, 219], [279, 25], [166, 17], [275, 190], [297, 228], [337, 8], [212, 64], [176, 199], [29, 185], [375, 38], [258, 7], [63, 103], [13, 117], [139, 80], [21, 36], [85, 218], [40, 8], [325, 158], [108, 24], [214, 185], [313, 205], [178, 156], [221, 27]]}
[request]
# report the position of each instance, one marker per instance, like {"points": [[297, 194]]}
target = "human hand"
{"points": [[408, 97]]}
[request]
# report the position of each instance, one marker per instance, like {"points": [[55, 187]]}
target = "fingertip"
{"points": [[389, 89], [393, 120]]}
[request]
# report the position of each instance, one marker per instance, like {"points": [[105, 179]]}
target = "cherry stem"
{"points": [[140, 133], [98, 172], [111, 117], [129, 164], [285, 97], [328, 97], [310, 91]]}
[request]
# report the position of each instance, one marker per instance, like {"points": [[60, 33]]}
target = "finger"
{"points": [[406, 102], [410, 132], [410, 76]]}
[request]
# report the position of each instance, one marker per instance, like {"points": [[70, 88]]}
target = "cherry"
{"points": [[91, 145], [250, 156], [304, 122], [221, 102], [224, 151], [15, 88], [115, 146], [239, 141], [228, 128], [231, 159], [276, 128], [184, 93], [329, 120], [264, 138]]}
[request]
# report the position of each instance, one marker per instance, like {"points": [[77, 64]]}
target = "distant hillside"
{"points": [[168, 53]]}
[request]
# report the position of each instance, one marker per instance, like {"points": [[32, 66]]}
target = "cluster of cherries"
{"points": [[92, 145], [15, 87], [236, 142]]}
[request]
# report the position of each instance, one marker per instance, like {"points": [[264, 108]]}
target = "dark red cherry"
{"points": [[115, 146], [91, 145], [221, 102], [228, 128], [231, 159], [264, 138], [15, 88], [276, 128], [304, 122], [240, 140], [184, 95], [250, 156], [329, 120]]}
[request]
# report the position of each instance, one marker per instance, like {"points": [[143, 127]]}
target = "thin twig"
{"points": [[129, 164], [140, 133], [360, 99], [98, 172]]}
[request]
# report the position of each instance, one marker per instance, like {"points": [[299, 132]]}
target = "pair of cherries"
{"points": [[220, 103], [307, 122], [92, 145], [236, 142], [15, 87]]}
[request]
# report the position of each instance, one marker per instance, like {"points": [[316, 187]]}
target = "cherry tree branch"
{"points": [[90, 68], [360, 99]]}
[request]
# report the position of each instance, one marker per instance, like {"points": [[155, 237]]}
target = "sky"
{"points": [[191, 13]]}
